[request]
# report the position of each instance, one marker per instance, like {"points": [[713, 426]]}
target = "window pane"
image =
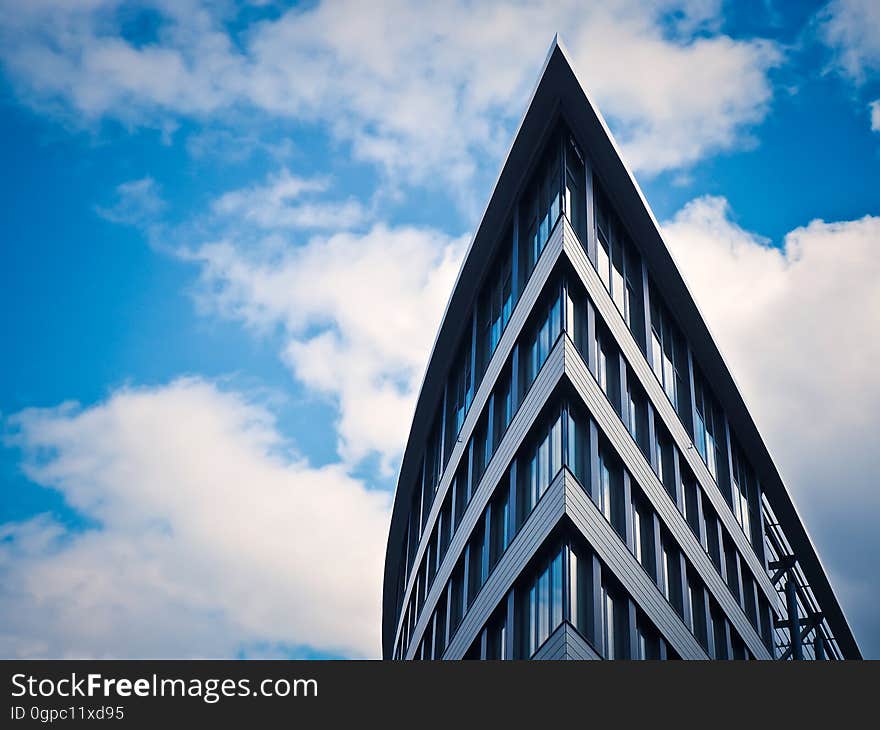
{"points": [[543, 465], [667, 582], [609, 627], [533, 619], [545, 334], [543, 606], [578, 449], [556, 598], [574, 191], [656, 355], [700, 435], [603, 262], [617, 289], [556, 449], [542, 203], [637, 534], [669, 381], [746, 521], [533, 482], [541, 462], [604, 488], [710, 453]]}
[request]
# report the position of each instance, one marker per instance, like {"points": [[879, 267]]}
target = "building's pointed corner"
{"points": [[559, 43], [555, 44]]}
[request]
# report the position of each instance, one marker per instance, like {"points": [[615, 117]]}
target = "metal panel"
{"points": [[555, 647], [566, 643], [639, 365], [616, 557], [519, 428], [563, 357], [533, 534], [577, 646], [512, 332], [640, 470]]}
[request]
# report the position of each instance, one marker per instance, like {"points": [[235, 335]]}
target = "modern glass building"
{"points": [[582, 478]]}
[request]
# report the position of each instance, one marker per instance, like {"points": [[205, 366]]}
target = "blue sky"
{"points": [[206, 207]]}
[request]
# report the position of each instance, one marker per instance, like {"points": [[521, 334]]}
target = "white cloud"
{"points": [[206, 536], [850, 27], [673, 103], [279, 204], [798, 326], [355, 311], [137, 202], [429, 92], [233, 144], [78, 52], [358, 313], [874, 106]]}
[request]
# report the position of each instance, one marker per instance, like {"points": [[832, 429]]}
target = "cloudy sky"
{"points": [[228, 234]]}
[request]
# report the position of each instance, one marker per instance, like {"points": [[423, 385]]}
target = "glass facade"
{"points": [[610, 498], [496, 305], [545, 332], [742, 500], [668, 354], [541, 205], [459, 393], [709, 432], [619, 265], [542, 462], [544, 610], [607, 366], [488, 478]]}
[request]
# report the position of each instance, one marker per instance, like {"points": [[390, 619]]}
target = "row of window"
{"points": [[549, 195], [565, 436], [631, 404], [620, 268], [516, 494], [558, 188], [669, 355], [495, 306], [565, 307], [567, 583], [529, 354], [619, 265], [705, 422]]}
